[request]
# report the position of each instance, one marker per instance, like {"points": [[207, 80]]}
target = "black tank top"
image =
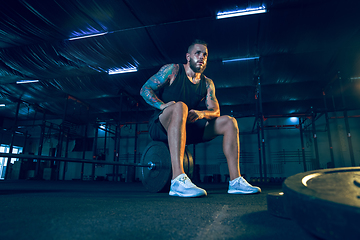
{"points": [[184, 90]]}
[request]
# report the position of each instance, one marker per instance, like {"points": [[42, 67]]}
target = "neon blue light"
{"points": [[27, 81], [122, 70], [89, 32], [239, 59], [242, 12], [88, 36]]}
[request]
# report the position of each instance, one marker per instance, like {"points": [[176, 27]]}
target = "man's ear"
{"points": [[188, 57]]}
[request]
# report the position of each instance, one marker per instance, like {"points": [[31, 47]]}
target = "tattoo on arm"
{"points": [[157, 81], [211, 100]]}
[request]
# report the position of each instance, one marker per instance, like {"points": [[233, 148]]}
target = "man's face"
{"points": [[198, 58]]}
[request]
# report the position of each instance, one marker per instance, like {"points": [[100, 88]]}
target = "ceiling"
{"points": [[306, 48]]}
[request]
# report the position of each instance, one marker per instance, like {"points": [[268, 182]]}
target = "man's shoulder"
{"points": [[208, 81], [169, 70], [171, 66]]}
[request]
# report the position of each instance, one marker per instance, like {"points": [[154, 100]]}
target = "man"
{"points": [[176, 92]]}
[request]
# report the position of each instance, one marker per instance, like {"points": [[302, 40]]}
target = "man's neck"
{"points": [[192, 76]]}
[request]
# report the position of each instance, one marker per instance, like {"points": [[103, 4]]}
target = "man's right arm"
{"points": [[166, 74]]}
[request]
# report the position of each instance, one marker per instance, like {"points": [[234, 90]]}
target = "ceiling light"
{"points": [[238, 59], [122, 70], [242, 12], [88, 36], [26, 81], [2, 105]]}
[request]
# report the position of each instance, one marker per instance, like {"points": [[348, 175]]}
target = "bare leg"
{"points": [[226, 126], [173, 119]]}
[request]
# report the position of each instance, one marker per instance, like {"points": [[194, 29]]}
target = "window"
{"points": [[3, 161]]}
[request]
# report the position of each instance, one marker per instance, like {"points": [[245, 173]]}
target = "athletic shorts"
{"points": [[194, 131]]}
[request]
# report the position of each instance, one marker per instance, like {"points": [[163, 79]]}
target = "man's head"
{"points": [[197, 56]]}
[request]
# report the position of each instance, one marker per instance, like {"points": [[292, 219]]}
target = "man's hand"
{"points": [[165, 105], [194, 115]]}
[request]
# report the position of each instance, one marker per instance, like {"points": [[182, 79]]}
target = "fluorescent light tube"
{"points": [[243, 12], [122, 70], [2, 105], [27, 81], [239, 59], [88, 36]]}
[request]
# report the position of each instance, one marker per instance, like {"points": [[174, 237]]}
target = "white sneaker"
{"points": [[241, 186], [182, 186]]}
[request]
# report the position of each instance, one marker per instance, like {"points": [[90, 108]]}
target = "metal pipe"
{"points": [[329, 133], [118, 153], [115, 151], [58, 153], [63, 159], [302, 145], [8, 161], [262, 131], [84, 151], [41, 142], [67, 138], [351, 150], [257, 121], [317, 160], [119, 137], [25, 141], [259, 146], [105, 138], [95, 153], [66, 153]]}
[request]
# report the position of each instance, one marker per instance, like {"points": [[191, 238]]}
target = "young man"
{"points": [[176, 92]]}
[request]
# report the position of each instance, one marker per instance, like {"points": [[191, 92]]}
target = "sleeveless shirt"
{"points": [[182, 89], [193, 95]]}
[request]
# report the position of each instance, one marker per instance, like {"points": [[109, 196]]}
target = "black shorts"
{"points": [[194, 131]]}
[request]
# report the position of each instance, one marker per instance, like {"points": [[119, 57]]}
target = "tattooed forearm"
{"points": [[150, 97], [163, 76], [211, 102]]}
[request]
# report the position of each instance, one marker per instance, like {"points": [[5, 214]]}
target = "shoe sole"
{"points": [[174, 194], [242, 192]]}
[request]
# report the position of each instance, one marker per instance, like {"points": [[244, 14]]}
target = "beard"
{"points": [[195, 68]]}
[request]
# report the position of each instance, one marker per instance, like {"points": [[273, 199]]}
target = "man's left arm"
{"points": [[212, 105]]}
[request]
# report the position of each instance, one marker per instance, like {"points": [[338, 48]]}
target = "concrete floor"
{"points": [[40, 210]]}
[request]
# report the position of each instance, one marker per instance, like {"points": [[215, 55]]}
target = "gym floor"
{"points": [[74, 210]]}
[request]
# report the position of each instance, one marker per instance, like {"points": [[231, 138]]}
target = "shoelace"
{"points": [[242, 182], [186, 181], [248, 185], [183, 179]]}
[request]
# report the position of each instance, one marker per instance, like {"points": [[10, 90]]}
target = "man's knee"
{"points": [[179, 109], [174, 114], [230, 123]]}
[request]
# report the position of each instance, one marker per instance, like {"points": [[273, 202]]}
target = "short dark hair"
{"points": [[196, 41]]}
